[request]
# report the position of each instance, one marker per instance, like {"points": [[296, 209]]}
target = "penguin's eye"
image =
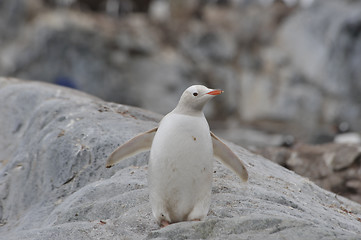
{"points": [[195, 94]]}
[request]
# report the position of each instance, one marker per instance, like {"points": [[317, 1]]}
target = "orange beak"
{"points": [[215, 92]]}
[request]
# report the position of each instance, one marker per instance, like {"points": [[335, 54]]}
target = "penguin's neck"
{"points": [[186, 110]]}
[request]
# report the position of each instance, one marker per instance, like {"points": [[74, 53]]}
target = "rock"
{"points": [[279, 155], [146, 75], [54, 184], [118, 61], [355, 185], [350, 137], [335, 167], [205, 45], [326, 58], [251, 138], [159, 10]]}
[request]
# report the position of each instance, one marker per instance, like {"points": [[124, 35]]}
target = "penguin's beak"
{"points": [[215, 92]]}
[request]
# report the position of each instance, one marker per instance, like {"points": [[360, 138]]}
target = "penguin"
{"points": [[180, 166]]}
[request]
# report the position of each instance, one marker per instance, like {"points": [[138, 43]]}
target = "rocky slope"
{"points": [[54, 184]]}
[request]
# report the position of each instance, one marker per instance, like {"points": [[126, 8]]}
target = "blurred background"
{"points": [[291, 69]]}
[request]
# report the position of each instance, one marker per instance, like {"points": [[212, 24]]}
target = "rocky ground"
{"points": [[54, 185]]}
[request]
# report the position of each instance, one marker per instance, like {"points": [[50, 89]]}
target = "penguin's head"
{"points": [[194, 98]]}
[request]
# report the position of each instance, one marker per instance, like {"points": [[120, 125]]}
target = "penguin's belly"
{"points": [[180, 169]]}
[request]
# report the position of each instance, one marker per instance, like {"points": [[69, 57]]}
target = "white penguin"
{"points": [[181, 159]]}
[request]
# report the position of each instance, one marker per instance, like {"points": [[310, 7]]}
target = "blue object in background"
{"points": [[65, 81]]}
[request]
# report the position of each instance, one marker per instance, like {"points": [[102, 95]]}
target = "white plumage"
{"points": [[180, 168], [181, 159]]}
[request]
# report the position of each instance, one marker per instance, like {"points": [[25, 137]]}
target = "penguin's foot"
{"points": [[164, 223]]}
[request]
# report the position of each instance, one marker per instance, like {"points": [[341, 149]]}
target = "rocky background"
{"points": [[290, 69], [335, 167]]}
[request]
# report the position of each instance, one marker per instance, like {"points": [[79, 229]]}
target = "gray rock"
{"points": [[201, 44], [335, 167], [54, 184], [118, 61], [327, 58], [251, 138]]}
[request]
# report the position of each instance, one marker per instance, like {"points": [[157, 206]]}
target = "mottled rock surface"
{"points": [[335, 167], [54, 184]]}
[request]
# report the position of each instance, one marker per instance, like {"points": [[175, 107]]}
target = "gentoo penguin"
{"points": [[181, 159]]}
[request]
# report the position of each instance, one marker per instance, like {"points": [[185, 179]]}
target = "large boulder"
{"points": [[54, 184]]}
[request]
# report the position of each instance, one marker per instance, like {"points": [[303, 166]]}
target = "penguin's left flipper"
{"points": [[138, 144], [229, 158]]}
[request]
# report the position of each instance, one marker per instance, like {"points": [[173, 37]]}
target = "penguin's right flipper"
{"points": [[138, 144]]}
